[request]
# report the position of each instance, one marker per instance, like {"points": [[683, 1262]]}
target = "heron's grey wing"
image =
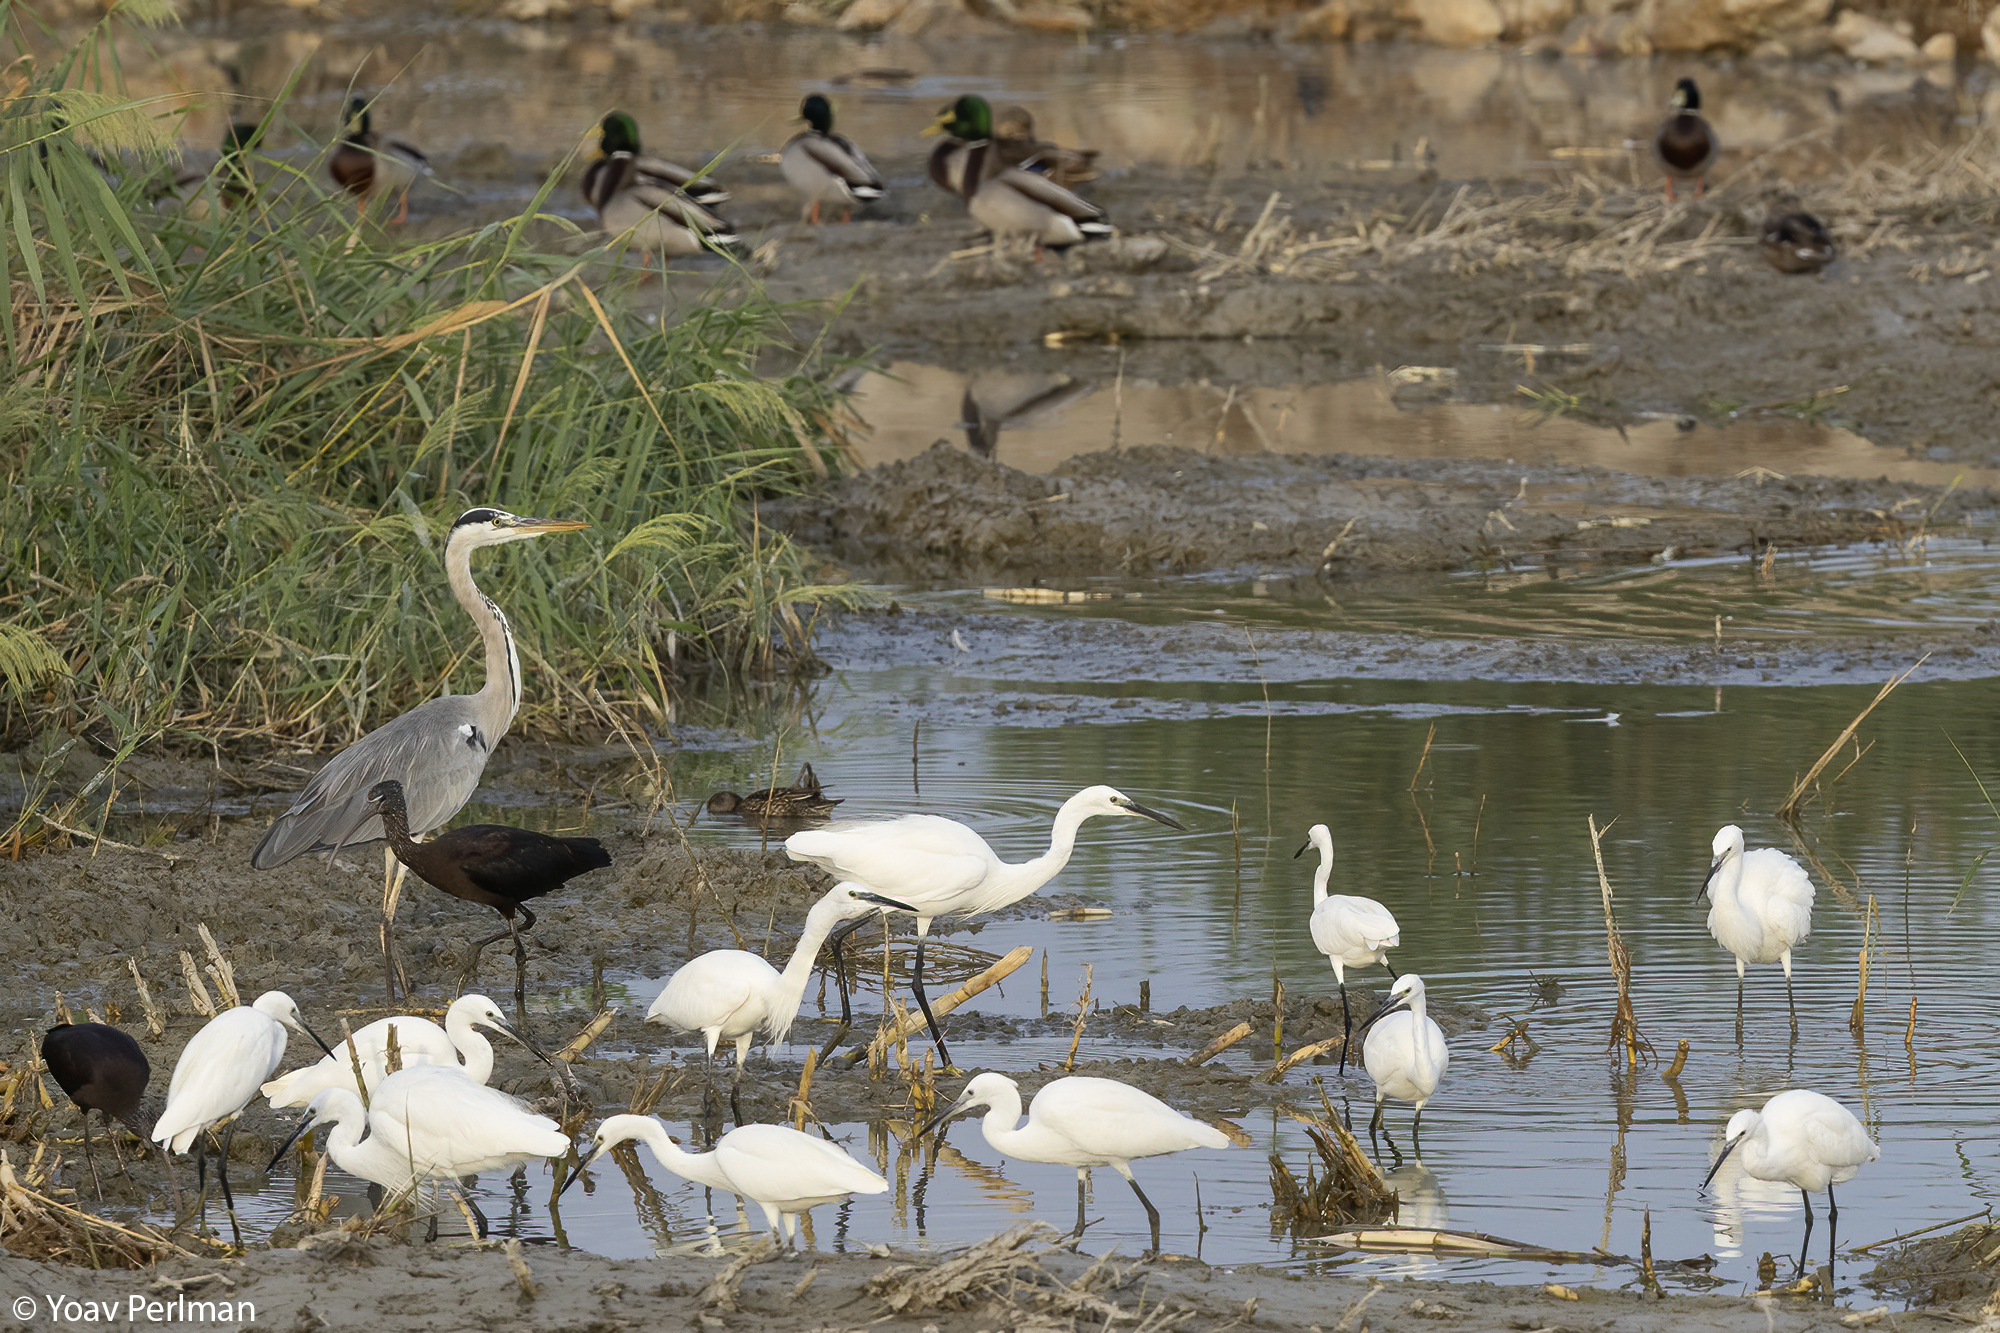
{"points": [[437, 751]]}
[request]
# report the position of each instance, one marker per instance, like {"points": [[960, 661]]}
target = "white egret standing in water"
{"points": [[1760, 906], [1404, 1052], [1350, 931], [1806, 1139]]}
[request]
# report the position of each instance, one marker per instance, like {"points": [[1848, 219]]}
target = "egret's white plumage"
{"points": [[1351, 931], [782, 1171], [1805, 1139], [223, 1066], [733, 994], [1084, 1122], [420, 1042], [940, 867], [1404, 1052], [1760, 905]]}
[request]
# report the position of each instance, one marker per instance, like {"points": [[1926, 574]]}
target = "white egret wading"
{"points": [[781, 1170], [1404, 1052], [428, 1123], [942, 868], [418, 1042], [733, 995], [1083, 1122], [1807, 1140], [219, 1071], [1760, 907], [437, 750], [1350, 931]]}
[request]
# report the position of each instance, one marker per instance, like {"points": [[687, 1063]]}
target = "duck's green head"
{"points": [[1686, 97], [817, 112], [241, 138], [967, 118], [357, 115], [619, 133]]}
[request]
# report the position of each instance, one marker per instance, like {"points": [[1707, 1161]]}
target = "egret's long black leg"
{"points": [[1152, 1213], [836, 940], [1082, 1175], [1805, 1242], [1739, 1004], [222, 1175], [736, 1093], [1792, 1004], [1346, 1029], [1375, 1123], [1832, 1225], [1417, 1134], [924, 1003], [1393, 974]]}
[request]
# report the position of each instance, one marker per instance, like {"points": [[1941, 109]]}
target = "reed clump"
{"points": [[231, 448], [1343, 1187]]}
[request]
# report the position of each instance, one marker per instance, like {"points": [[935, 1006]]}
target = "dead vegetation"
{"points": [[36, 1225], [1343, 1188], [1004, 1275]]}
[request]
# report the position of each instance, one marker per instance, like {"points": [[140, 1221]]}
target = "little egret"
{"points": [[942, 868], [733, 994], [1807, 1140], [1350, 931], [218, 1073], [418, 1040], [1083, 1122], [437, 750], [428, 1123], [1760, 905], [1404, 1052], [102, 1069], [492, 864], [781, 1170]]}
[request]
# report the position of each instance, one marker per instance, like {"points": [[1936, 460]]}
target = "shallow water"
{"points": [[1486, 862]]}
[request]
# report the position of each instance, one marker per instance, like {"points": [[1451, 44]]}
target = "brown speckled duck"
{"points": [[804, 799]]}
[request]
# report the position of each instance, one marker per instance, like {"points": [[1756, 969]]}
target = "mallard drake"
{"points": [[200, 193], [369, 165], [1685, 145], [646, 197], [1792, 240], [804, 799], [1014, 139], [826, 167], [1008, 201]]}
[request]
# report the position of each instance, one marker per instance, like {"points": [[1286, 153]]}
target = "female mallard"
{"points": [[368, 165], [1792, 240], [804, 799], [1685, 145], [648, 199], [1014, 139], [1008, 201], [826, 167]]}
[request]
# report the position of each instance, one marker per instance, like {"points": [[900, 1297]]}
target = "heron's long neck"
{"points": [[791, 989], [1001, 1123], [471, 1044], [502, 690]]}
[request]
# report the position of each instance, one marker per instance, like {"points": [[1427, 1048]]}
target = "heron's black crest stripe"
{"points": [[481, 515]]}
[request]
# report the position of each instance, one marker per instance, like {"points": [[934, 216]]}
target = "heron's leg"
{"points": [[1417, 1133], [1152, 1213], [736, 1091], [924, 1003], [1805, 1242], [836, 940], [222, 1175], [1375, 1122], [1082, 1176], [1791, 1002], [1346, 1029]]}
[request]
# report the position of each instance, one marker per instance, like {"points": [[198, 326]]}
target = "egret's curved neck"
{"points": [[502, 691], [472, 1045], [1419, 1029], [1001, 1123], [783, 1006], [700, 1167], [1322, 875], [1728, 879], [1018, 881]]}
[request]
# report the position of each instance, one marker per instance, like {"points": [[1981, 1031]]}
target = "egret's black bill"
{"points": [[1303, 850], [1400, 1002], [1154, 815], [889, 903], [305, 1127], [1707, 879], [314, 1035], [1727, 1149], [577, 1174]]}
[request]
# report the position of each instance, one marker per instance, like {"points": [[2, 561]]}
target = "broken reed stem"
{"points": [[1625, 1023], [197, 993], [905, 1023], [1790, 809], [802, 1104], [1910, 1030], [1854, 1019], [1219, 1045], [1425, 757], [1045, 983], [219, 968], [1646, 1250], [1236, 846], [1082, 1012], [1277, 1017], [1673, 1071], [1262, 683], [592, 1030], [156, 1017], [354, 1059]]}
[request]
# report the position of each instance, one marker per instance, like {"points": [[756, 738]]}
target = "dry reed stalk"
{"points": [[1422, 759], [354, 1059], [1856, 1017], [802, 1100], [1219, 1045], [1625, 1023], [1277, 1017], [35, 1226], [1343, 1187], [574, 1048], [1082, 1013], [905, 1024], [1789, 811], [1673, 1071], [219, 969], [156, 1017], [648, 1095], [1910, 1031], [197, 993]]}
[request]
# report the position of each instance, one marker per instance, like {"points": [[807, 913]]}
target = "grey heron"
{"points": [[437, 750]]}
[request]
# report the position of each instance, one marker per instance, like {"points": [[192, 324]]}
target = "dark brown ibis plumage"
{"points": [[493, 864], [102, 1069]]}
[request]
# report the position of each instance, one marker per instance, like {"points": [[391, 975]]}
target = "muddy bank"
{"points": [[949, 517]]}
